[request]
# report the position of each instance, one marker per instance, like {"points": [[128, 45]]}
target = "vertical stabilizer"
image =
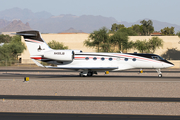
{"points": [[36, 45]]}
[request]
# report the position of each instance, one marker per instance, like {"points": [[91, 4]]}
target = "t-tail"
{"points": [[36, 45], [39, 50]]}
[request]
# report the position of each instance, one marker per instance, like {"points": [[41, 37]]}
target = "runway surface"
{"points": [[47, 116], [8, 73], [75, 77], [135, 93]]}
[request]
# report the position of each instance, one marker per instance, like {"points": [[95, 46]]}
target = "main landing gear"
{"points": [[159, 73], [87, 73]]}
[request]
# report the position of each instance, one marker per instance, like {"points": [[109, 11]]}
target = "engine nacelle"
{"points": [[60, 55], [77, 51]]}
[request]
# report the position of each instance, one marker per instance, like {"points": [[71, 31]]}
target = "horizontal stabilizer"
{"points": [[23, 34]]}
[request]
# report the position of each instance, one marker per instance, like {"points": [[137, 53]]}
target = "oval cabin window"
{"points": [[94, 58], [102, 58], [87, 58], [110, 59], [126, 59], [134, 59]]}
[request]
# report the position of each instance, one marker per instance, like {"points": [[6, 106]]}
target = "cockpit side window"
{"points": [[157, 58], [154, 57], [161, 58]]}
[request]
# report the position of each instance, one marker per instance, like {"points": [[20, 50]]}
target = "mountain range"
{"points": [[47, 23], [15, 25]]}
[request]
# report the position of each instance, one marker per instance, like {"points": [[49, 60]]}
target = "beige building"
{"points": [[170, 50]]}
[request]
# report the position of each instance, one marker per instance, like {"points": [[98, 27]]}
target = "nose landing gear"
{"points": [[159, 73]]}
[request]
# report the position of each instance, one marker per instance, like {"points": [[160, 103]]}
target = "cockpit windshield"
{"points": [[157, 58]]}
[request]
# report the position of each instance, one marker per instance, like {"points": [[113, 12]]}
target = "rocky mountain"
{"points": [[72, 30], [3, 23], [15, 25], [86, 23], [24, 15], [47, 23]]}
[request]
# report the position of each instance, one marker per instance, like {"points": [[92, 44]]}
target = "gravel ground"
{"points": [[91, 88], [90, 107]]}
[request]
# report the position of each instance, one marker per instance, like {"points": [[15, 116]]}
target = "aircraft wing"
{"points": [[75, 67], [82, 68], [37, 63]]}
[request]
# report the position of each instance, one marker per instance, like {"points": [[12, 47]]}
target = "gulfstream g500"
{"points": [[89, 63]]}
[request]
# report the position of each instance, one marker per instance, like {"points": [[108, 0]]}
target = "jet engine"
{"points": [[60, 55]]}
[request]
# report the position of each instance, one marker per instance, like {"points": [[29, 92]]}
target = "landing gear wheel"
{"points": [[90, 74], [160, 75], [81, 74]]}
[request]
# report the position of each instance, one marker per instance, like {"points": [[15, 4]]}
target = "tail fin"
{"points": [[36, 45]]}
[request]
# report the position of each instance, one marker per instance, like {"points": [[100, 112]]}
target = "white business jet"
{"points": [[89, 63]]}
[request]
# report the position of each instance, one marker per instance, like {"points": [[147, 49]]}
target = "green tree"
{"points": [[115, 27], [9, 51], [120, 39], [138, 29], [149, 46], [16, 38], [57, 45], [5, 38], [99, 40], [129, 31], [168, 31], [147, 27], [142, 46], [154, 43], [178, 33]]}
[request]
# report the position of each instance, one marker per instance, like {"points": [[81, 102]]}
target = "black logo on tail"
{"points": [[39, 49]]}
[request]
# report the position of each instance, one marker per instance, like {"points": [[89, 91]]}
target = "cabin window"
{"points": [[126, 59], [110, 59], [87, 58], [102, 58], [94, 58], [134, 59]]}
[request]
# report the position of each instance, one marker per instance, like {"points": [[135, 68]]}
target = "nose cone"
{"points": [[168, 64]]}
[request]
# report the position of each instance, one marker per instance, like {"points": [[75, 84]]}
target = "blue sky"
{"points": [[121, 10]]}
